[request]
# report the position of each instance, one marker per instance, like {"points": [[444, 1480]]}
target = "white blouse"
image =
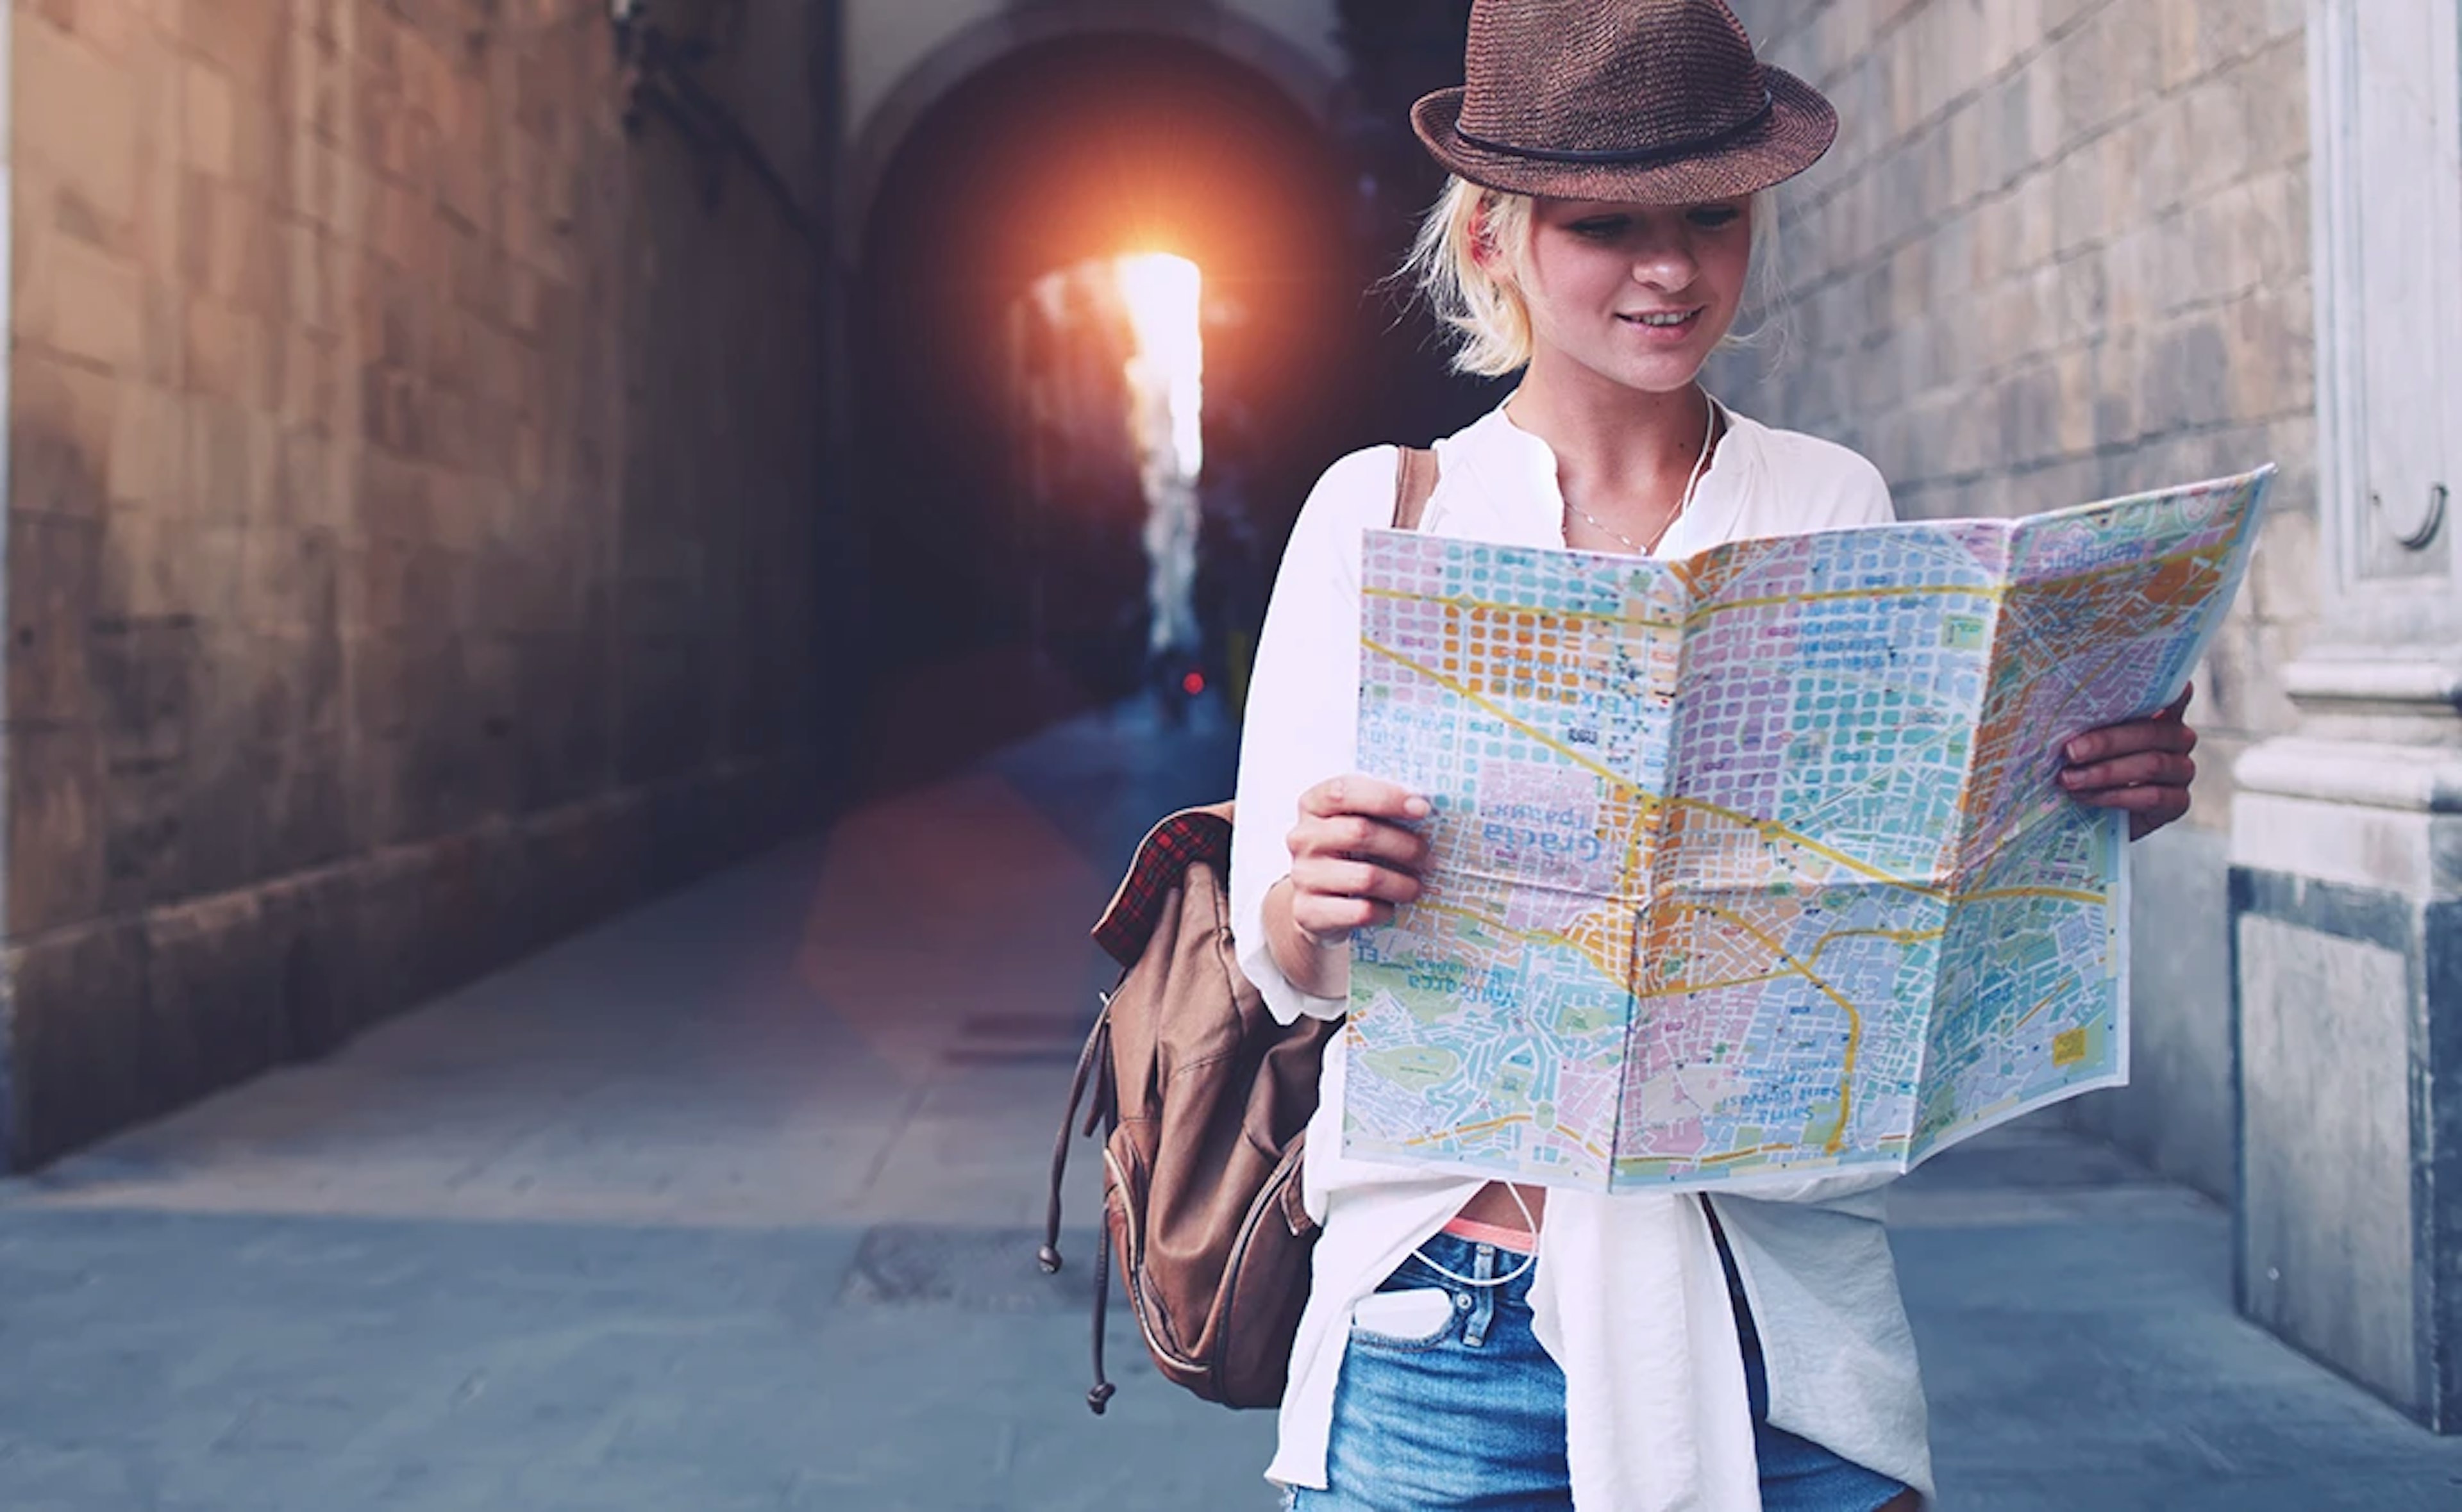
{"points": [[1630, 1297]]}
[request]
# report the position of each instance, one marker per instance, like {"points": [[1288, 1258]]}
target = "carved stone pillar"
{"points": [[2346, 836]]}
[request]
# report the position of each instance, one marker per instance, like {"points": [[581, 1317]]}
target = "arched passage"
{"points": [[881, 125], [1081, 147]]}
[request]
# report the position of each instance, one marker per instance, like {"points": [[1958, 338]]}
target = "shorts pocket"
{"points": [[1413, 1318]]}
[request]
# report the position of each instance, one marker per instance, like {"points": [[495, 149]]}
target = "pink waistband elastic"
{"points": [[1515, 1240]]}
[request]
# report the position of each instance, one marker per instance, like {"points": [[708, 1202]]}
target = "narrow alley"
{"points": [[730, 1204], [593, 594]]}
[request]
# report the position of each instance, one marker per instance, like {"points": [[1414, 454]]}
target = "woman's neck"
{"points": [[1616, 441], [1626, 458]]}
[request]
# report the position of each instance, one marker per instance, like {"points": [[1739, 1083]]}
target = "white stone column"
{"points": [[2346, 836]]}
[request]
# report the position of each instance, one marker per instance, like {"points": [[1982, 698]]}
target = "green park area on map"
{"points": [[1754, 863]]}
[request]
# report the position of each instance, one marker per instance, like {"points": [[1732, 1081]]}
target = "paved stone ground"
{"points": [[729, 1205]]}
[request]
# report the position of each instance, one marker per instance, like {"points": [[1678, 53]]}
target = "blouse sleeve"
{"points": [[1871, 492], [1302, 720]]}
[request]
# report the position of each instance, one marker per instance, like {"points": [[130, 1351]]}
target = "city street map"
{"points": [[1754, 864]]}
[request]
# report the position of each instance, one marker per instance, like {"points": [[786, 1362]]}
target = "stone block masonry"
{"points": [[2060, 250], [413, 517]]}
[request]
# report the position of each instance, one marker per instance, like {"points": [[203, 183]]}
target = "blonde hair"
{"points": [[1483, 313], [1481, 307]]}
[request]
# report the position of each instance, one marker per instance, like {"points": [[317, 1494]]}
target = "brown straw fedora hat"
{"points": [[1651, 101]]}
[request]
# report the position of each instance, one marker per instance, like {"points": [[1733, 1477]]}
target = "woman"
{"points": [[1610, 164]]}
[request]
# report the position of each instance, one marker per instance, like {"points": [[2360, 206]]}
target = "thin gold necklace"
{"points": [[1684, 501]]}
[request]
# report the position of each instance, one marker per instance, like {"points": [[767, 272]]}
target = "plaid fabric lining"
{"points": [[1181, 840]]}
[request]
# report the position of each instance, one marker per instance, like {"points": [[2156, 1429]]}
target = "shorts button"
{"points": [[1462, 1301]]}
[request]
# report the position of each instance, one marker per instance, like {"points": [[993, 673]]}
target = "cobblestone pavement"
{"points": [[728, 1204]]}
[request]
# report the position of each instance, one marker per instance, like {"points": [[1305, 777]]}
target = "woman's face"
{"points": [[1638, 293]]}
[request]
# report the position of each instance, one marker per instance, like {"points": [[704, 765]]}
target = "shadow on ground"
{"points": [[729, 1205]]}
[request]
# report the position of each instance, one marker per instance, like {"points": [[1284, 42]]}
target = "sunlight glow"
{"points": [[1163, 294]]}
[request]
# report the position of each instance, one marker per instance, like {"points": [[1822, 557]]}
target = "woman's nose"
{"points": [[1667, 265]]}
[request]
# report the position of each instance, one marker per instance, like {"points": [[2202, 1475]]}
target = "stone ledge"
{"points": [[2375, 680], [2414, 778], [110, 1022]]}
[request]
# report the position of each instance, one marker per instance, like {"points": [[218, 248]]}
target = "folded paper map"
{"points": [[1755, 863]]}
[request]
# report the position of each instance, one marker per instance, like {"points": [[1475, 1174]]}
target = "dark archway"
{"points": [[1056, 153]]}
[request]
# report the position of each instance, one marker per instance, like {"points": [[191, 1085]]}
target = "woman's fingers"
{"points": [[1335, 876], [2139, 767], [1354, 856], [2166, 731], [1361, 818], [1356, 794], [2158, 769], [1358, 837]]}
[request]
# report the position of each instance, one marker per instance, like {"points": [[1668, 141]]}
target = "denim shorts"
{"points": [[1472, 1414]]}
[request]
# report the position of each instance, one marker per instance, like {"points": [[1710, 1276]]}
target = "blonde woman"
{"points": [[1472, 1345]]}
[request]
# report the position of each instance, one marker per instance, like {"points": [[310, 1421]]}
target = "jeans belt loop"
{"points": [[1482, 1311]]}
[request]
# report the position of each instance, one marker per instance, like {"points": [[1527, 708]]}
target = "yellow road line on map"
{"points": [[1999, 893], [1463, 690], [1688, 988], [1897, 937], [1772, 829], [2031, 1012], [2209, 556], [2077, 687], [1531, 937], [1498, 606], [1742, 1154], [1459, 912], [1768, 830], [1826, 595], [1467, 1131], [1520, 937], [1854, 1020], [1903, 937], [2212, 556]]}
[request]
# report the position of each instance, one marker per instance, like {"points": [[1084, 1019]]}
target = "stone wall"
{"points": [[2061, 252], [411, 511]]}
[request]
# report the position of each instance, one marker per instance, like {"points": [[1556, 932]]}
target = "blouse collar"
{"points": [[1512, 483]]}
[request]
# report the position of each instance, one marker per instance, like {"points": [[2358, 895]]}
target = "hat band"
{"points": [[1690, 147]]}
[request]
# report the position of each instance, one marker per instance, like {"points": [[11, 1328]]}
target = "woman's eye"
{"points": [[1712, 217], [1598, 230]]}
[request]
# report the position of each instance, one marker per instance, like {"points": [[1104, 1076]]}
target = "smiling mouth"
{"points": [[1662, 319]]}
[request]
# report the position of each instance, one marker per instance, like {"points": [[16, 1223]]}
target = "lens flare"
{"points": [[1163, 293], [1166, 380]]}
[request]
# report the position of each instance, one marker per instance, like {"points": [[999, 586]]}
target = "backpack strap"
{"points": [[1190, 837], [1415, 478]]}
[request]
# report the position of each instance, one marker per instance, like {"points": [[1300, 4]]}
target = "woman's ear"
{"points": [[1483, 249]]}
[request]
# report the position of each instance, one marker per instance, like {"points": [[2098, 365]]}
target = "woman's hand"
{"points": [[1353, 858], [2139, 765]]}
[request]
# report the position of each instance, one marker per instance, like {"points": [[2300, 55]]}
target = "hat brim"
{"points": [[1801, 125]]}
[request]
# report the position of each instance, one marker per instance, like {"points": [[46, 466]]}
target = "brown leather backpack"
{"points": [[1204, 1102]]}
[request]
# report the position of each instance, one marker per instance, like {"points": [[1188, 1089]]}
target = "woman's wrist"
{"points": [[1312, 963]]}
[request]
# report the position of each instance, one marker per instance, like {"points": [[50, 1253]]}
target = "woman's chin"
{"points": [[1658, 373]]}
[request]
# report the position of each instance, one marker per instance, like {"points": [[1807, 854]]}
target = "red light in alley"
{"points": [[1192, 684]]}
